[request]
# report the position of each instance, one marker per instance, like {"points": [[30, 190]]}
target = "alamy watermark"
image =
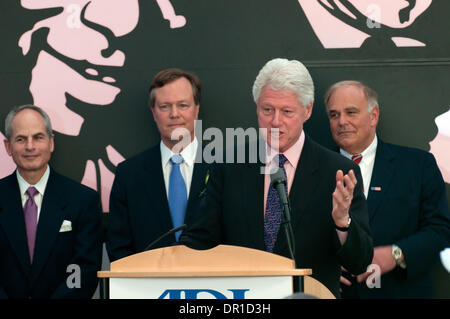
{"points": [[373, 16], [374, 279], [74, 279], [236, 145]]}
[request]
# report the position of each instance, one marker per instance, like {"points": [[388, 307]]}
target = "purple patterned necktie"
{"points": [[30, 210], [272, 218]]}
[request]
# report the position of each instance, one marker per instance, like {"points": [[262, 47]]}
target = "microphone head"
{"points": [[277, 177], [182, 227]]}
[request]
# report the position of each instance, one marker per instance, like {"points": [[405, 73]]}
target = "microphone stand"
{"points": [[278, 180], [287, 225], [173, 230]]}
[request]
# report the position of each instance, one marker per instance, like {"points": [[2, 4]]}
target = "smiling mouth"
{"points": [[345, 133], [30, 157]]}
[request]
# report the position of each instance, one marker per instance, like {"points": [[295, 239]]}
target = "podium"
{"points": [[223, 272]]}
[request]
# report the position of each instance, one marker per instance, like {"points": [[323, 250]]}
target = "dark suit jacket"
{"points": [[411, 211], [232, 213], [47, 277], [139, 209]]}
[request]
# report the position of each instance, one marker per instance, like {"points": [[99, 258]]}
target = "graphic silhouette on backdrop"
{"points": [[77, 61], [440, 145], [354, 23], [82, 31]]}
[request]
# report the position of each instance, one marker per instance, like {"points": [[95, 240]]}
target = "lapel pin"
{"points": [[376, 188]]}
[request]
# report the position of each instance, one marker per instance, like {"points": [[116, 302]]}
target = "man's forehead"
{"points": [[173, 95], [279, 98], [349, 91], [347, 96], [28, 120], [28, 114]]}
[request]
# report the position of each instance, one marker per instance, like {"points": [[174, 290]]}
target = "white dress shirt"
{"points": [[40, 186], [366, 164], [187, 167]]}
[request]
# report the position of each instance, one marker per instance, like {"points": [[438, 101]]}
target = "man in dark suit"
{"points": [[157, 190], [408, 209], [50, 226], [328, 209]]}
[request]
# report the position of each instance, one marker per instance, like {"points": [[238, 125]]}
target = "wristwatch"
{"points": [[398, 254], [344, 228]]}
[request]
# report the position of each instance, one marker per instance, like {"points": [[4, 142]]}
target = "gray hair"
{"points": [[17, 109], [282, 74], [369, 93]]}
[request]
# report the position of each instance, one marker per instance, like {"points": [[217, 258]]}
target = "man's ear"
{"points": [[52, 142], [375, 115], [197, 110], [7, 146], [152, 109], [309, 109]]}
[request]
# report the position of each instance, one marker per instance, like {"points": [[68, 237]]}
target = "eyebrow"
{"points": [[175, 102], [34, 135], [347, 108], [282, 107]]}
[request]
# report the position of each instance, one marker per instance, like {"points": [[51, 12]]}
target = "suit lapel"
{"points": [[198, 185], [154, 183], [304, 185], [382, 173], [12, 221], [50, 220], [253, 201]]}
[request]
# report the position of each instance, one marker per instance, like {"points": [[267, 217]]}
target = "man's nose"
{"points": [[276, 119], [29, 144], [342, 120], [174, 111]]}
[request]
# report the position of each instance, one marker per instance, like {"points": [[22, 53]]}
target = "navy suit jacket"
{"points": [[47, 277], [233, 214], [139, 208], [409, 209]]}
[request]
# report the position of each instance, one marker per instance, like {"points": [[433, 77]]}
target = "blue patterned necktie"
{"points": [[177, 194], [272, 218]]}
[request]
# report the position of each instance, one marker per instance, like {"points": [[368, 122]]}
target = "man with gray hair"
{"points": [[408, 209], [50, 226], [328, 210]]}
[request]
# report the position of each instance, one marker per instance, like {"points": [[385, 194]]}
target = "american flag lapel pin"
{"points": [[375, 188]]}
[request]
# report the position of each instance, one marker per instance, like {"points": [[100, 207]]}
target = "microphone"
{"points": [[278, 181], [170, 232]]}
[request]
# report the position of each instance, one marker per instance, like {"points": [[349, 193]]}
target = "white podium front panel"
{"points": [[270, 287]]}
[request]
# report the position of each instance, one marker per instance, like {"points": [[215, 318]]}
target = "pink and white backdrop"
{"points": [[88, 63]]}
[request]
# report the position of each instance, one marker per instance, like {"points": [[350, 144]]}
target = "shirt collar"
{"points": [[292, 154], [189, 153], [369, 151], [40, 185]]}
